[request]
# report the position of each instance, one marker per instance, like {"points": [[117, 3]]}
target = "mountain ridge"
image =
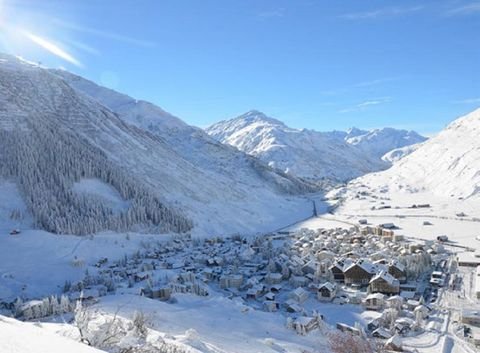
{"points": [[335, 155]]}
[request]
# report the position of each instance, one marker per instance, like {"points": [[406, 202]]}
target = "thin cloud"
{"points": [[105, 34], [82, 46], [381, 13], [469, 9], [365, 105], [375, 82], [359, 85], [280, 12], [467, 101]]}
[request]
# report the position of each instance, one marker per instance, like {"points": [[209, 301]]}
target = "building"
{"points": [[273, 278], [477, 283], [471, 317], [374, 301], [270, 306], [300, 295], [327, 291], [337, 271], [394, 344], [385, 283], [231, 281], [359, 273], [304, 324], [397, 270]]}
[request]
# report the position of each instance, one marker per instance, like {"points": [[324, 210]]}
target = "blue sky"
{"points": [[316, 64]]}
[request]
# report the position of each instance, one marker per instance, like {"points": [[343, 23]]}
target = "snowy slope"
{"points": [[398, 153], [194, 177], [447, 164], [20, 337], [315, 155]]}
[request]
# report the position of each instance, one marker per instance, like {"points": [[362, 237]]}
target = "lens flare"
{"points": [[52, 48]]}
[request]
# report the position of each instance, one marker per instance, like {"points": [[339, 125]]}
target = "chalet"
{"points": [[299, 281], [231, 281], [338, 269], [255, 292], [382, 333], [270, 306], [300, 295], [387, 226], [162, 293], [394, 344], [374, 301], [385, 283], [395, 302], [292, 306], [403, 325], [397, 270], [471, 317], [327, 291], [359, 273], [304, 324], [421, 312], [273, 278]]}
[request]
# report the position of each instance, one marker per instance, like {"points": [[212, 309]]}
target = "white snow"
{"points": [[336, 155], [20, 337], [104, 191]]}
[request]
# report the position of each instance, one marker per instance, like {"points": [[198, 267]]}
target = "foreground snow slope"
{"points": [[196, 178], [337, 155], [446, 165], [220, 325], [20, 337]]}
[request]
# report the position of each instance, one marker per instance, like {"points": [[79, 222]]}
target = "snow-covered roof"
{"points": [[330, 286], [375, 296], [299, 292], [386, 277]]}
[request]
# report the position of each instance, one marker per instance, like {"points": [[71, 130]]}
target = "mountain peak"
{"points": [[256, 116]]}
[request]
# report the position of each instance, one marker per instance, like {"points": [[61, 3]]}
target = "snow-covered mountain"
{"points": [[80, 166], [446, 165], [335, 155], [378, 142]]}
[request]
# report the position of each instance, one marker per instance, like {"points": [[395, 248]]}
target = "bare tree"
{"points": [[341, 342]]}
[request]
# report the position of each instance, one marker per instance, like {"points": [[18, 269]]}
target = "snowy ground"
{"points": [[36, 263], [19, 337]]}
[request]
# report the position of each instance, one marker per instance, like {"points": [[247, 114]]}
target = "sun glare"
{"points": [[52, 48]]}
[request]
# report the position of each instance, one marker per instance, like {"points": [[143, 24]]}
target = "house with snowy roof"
{"points": [[300, 295], [385, 283], [397, 270], [327, 291], [359, 273]]}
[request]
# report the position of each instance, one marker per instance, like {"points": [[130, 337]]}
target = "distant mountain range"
{"points": [[337, 155]]}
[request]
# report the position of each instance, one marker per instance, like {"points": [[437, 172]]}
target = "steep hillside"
{"points": [[307, 153], [53, 138], [447, 164]]}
